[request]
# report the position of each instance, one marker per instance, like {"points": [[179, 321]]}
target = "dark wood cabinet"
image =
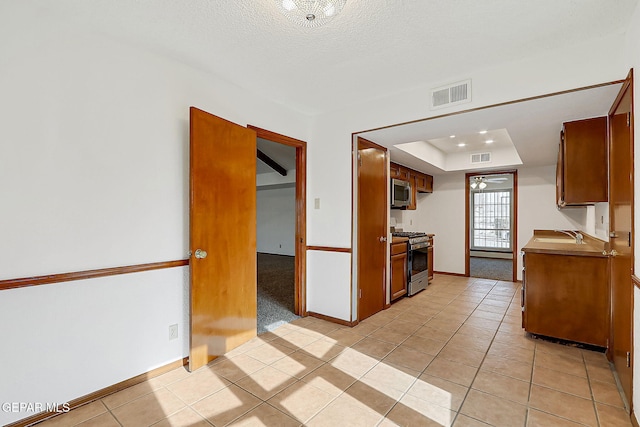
{"points": [[419, 182], [582, 172], [430, 259], [423, 182], [566, 297], [397, 171], [399, 259]]}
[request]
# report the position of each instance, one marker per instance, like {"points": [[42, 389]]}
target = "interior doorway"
{"points": [[491, 224], [281, 229]]}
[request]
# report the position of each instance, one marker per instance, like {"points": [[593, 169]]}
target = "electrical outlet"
{"points": [[316, 203], [173, 332]]}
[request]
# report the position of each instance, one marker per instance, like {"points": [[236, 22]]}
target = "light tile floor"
{"points": [[454, 354]]}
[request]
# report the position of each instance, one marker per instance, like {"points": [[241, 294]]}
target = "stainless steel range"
{"points": [[418, 268]]}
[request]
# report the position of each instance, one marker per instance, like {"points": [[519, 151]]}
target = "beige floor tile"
{"points": [[560, 381], [471, 342], [441, 392], [519, 339], [343, 337], [264, 415], [464, 421], [510, 367], [323, 350], [353, 362], [462, 355], [409, 358], [378, 397], [606, 393], [187, 417], [390, 336], [226, 405], [127, 395], [402, 327], [451, 371], [295, 340], [269, 352], [148, 409], [297, 364], [329, 379], [537, 418], [558, 349], [413, 411], [104, 420], [364, 329], [564, 364], [373, 347], [479, 322], [595, 358], [485, 314], [507, 351], [394, 377], [301, 401], [563, 405], [493, 410], [474, 331], [612, 417], [237, 367], [600, 373], [173, 376], [198, 385], [502, 386], [76, 416], [334, 414], [424, 345], [266, 382]]}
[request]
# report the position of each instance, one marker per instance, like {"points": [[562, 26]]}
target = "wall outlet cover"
{"points": [[173, 332]]}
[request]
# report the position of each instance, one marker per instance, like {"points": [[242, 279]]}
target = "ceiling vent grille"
{"points": [[453, 94], [481, 158]]}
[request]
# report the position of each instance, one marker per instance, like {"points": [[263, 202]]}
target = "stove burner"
{"points": [[408, 234]]}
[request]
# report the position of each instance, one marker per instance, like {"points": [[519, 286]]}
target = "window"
{"points": [[491, 225]]}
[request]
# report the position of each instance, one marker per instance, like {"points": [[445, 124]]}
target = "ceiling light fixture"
{"points": [[478, 182], [310, 13], [482, 132], [462, 144], [489, 141], [452, 136]]}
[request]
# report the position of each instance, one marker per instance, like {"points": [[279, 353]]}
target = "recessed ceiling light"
{"points": [[489, 141], [462, 144], [452, 136], [482, 132]]}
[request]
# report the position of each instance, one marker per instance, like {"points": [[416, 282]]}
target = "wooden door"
{"points": [[222, 228], [621, 229], [373, 203]]}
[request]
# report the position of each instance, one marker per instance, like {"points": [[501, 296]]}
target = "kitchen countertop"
{"points": [[592, 247]]}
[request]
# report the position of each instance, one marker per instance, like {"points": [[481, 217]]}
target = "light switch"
{"points": [[317, 203]]}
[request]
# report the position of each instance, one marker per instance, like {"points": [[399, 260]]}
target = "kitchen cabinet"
{"points": [[419, 182], [582, 171], [565, 291], [399, 172], [423, 182], [399, 268]]}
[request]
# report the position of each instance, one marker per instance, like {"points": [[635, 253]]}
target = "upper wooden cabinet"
{"points": [[423, 182], [582, 174], [399, 172]]}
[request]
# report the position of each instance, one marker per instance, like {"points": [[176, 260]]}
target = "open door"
{"points": [[222, 231], [621, 235]]}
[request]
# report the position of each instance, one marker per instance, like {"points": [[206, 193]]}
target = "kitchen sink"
{"points": [[564, 240]]}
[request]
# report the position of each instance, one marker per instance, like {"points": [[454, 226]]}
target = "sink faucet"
{"points": [[573, 233]]}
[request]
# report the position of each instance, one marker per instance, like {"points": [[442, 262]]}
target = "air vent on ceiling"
{"points": [[481, 158], [453, 94]]}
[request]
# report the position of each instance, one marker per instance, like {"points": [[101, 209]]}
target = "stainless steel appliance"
{"points": [[418, 271], [400, 193]]}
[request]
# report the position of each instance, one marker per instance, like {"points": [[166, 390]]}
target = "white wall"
{"points": [[94, 174], [329, 164], [276, 219]]}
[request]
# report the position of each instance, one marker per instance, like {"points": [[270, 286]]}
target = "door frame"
{"points": [[467, 218], [300, 293]]}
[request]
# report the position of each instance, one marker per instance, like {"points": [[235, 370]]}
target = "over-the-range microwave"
{"points": [[400, 194]]}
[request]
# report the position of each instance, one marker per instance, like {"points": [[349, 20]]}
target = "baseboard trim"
{"points": [[96, 395], [450, 274], [332, 319], [328, 249], [634, 420]]}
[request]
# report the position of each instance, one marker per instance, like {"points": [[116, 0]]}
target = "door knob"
{"points": [[383, 239], [613, 252], [200, 254]]}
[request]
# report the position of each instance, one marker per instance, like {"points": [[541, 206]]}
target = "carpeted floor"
{"points": [[276, 287], [491, 268]]}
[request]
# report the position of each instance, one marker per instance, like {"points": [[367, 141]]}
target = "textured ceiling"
{"points": [[373, 48]]}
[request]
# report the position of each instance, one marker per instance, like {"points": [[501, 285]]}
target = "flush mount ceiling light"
{"points": [[310, 13]]}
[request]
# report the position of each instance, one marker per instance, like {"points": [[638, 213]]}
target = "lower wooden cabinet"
{"points": [[430, 260], [566, 297], [399, 260]]}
